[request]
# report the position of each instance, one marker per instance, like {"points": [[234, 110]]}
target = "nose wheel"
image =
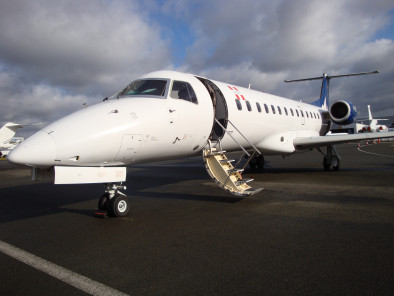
{"points": [[113, 202]]}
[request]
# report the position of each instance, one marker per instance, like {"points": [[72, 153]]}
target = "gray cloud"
{"points": [[57, 55], [263, 42], [75, 44]]}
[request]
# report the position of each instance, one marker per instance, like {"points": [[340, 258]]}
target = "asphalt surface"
{"points": [[309, 232]]}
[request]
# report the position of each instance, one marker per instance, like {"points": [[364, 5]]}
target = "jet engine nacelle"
{"points": [[343, 112]]}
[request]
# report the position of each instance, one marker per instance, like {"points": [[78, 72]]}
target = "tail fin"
{"points": [[8, 131], [369, 113], [323, 101]]}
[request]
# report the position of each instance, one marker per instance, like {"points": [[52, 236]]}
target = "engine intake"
{"points": [[343, 112]]}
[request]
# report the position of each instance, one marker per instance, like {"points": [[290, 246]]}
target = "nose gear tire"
{"points": [[118, 206]]}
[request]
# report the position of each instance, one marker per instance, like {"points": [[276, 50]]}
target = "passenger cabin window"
{"points": [[258, 107], [279, 110], [286, 111], [239, 106], [302, 113], [145, 87], [248, 106], [183, 91], [292, 113], [298, 115], [273, 109], [266, 108]]}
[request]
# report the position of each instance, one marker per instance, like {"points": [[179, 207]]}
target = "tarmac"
{"points": [[309, 232]]}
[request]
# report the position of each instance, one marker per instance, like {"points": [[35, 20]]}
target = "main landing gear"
{"points": [[113, 202], [257, 162], [331, 159]]}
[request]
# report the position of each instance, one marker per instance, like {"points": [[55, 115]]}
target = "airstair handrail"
{"points": [[225, 130]]}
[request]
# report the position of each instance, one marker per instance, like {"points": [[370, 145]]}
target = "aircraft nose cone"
{"points": [[38, 150]]}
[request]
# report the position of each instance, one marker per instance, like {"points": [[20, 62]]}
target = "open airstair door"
{"points": [[219, 108], [221, 169]]}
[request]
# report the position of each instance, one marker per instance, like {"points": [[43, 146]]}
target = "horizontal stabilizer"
{"points": [[332, 76]]}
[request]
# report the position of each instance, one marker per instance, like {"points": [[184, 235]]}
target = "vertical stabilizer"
{"points": [[323, 101], [8, 131], [369, 113]]}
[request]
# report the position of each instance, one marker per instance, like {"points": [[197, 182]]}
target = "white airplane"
{"points": [[373, 124], [7, 139], [167, 115]]}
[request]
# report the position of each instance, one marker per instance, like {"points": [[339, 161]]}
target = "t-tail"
{"points": [[370, 118], [323, 101]]}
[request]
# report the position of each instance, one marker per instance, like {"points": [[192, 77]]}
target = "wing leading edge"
{"points": [[312, 142]]}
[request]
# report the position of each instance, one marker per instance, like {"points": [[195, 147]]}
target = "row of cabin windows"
{"points": [[308, 114]]}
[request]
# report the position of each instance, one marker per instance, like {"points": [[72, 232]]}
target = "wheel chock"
{"points": [[100, 214]]}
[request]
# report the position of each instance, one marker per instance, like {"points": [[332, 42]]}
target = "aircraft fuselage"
{"points": [[138, 128]]}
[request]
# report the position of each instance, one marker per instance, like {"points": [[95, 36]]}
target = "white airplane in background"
{"points": [[7, 139], [167, 115], [373, 124]]}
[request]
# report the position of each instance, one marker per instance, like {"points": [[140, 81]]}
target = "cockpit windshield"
{"points": [[145, 87]]}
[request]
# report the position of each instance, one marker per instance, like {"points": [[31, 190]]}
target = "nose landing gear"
{"points": [[113, 202]]}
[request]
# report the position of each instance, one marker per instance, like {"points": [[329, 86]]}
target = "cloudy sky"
{"points": [[57, 55]]}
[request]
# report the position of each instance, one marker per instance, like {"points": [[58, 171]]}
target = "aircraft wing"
{"points": [[377, 119], [310, 142]]}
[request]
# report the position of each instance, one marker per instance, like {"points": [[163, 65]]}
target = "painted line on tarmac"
{"points": [[361, 150], [67, 276]]}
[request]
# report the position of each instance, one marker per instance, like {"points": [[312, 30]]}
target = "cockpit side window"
{"points": [[145, 87], [184, 91]]}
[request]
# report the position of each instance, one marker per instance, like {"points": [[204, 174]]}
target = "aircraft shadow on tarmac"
{"points": [[29, 201], [181, 182], [157, 176], [39, 199]]}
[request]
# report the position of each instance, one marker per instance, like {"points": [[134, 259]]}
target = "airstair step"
{"points": [[252, 191], [217, 152], [226, 160], [235, 171], [248, 192], [243, 181]]}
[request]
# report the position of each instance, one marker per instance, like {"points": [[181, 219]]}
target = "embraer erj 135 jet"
{"points": [[165, 115]]}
